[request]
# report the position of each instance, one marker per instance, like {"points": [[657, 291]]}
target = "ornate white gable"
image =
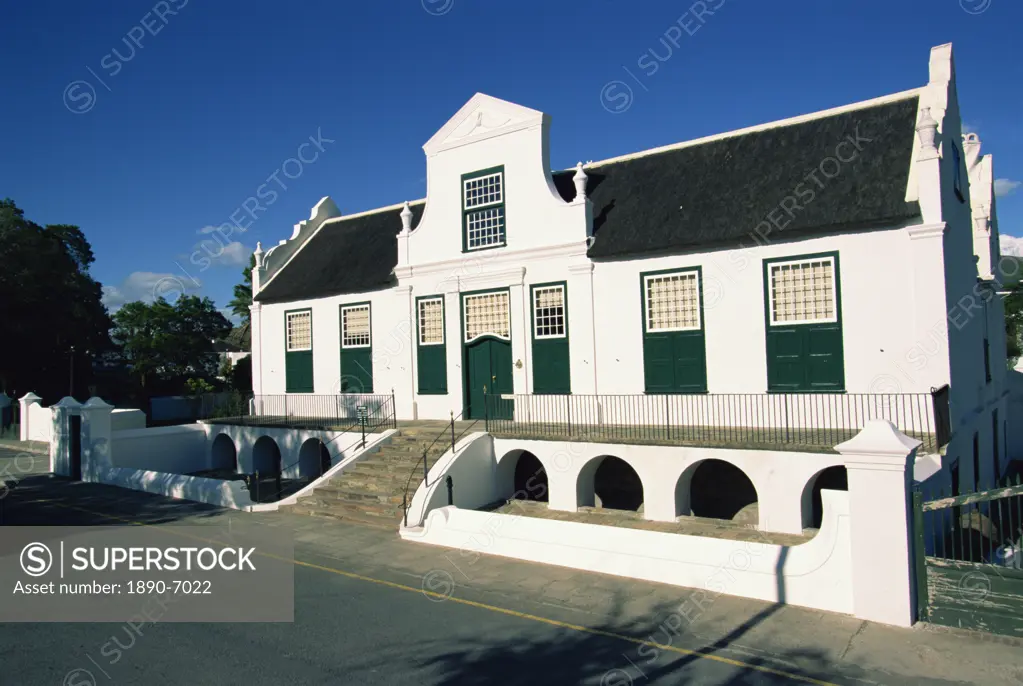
{"points": [[481, 118]]}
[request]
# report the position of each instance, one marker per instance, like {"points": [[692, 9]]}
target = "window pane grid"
{"points": [[803, 292], [485, 228], [355, 327], [431, 322], [300, 331], [549, 312], [484, 190], [487, 313], [673, 302]]}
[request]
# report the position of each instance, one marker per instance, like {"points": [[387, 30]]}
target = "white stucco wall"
{"points": [[123, 419], [815, 574], [167, 449]]}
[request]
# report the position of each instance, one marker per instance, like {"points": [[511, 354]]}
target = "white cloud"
{"points": [[225, 229], [1010, 245], [147, 286], [235, 255], [970, 128], [1004, 187]]}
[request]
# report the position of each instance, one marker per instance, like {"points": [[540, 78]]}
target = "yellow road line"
{"points": [[485, 606]]}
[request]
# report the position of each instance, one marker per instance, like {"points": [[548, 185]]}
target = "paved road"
{"points": [[361, 617]]}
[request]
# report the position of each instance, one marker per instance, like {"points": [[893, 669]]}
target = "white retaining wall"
{"points": [[125, 419], [166, 449], [232, 494], [815, 574]]}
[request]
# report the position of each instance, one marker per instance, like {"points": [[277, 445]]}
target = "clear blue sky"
{"points": [[182, 130]]}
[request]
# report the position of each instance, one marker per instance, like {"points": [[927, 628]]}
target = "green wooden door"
{"points": [[488, 366], [805, 357], [675, 362], [551, 372], [356, 370], [298, 371]]}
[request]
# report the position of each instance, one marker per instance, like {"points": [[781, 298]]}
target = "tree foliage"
{"points": [[164, 344], [1014, 324], [50, 307]]}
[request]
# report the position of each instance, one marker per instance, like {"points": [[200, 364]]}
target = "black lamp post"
{"points": [[71, 365]]}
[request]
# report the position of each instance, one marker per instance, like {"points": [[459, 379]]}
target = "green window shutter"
{"points": [[675, 351], [805, 357], [549, 323], [298, 355], [431, 346]]}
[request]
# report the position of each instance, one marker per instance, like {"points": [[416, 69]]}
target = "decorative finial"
{"points": [[259, 254], [580, 182], [927, 127], [406, 218]]}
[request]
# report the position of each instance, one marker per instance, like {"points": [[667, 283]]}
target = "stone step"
{"points": [[357, 494], [381, 487], [348, 517]]}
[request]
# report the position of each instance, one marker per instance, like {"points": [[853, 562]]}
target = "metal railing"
{"points": [[308, 411], [811, 420], [448, 431], [984, 527]]}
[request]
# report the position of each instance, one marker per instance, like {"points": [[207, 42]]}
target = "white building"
{"points": [[839, 253]]}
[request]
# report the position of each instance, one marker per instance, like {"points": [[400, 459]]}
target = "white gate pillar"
{"points": [[60, 441], [97, 455], [879, 461], [27, 401]]}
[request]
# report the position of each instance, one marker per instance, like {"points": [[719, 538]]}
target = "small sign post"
{"points": [[363, 415]]}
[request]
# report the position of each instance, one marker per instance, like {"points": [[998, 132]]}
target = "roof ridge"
{"points": [[375, 210], [777, 124]]}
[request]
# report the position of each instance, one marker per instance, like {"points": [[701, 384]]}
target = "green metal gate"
{"points": [[969, 562]]}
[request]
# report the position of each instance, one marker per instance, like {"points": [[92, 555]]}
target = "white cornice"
{"points": [[923, 231], [491, 258], [508, 277]]}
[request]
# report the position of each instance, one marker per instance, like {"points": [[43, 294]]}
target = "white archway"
{"points": [[834, 478], [717, 489], [224, 453], [611, 480]]}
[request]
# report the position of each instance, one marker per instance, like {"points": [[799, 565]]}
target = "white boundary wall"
{"points": [[815, 574]]}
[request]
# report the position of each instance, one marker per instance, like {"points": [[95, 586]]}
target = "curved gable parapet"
{"points": [[278, 256], [492, 137]]}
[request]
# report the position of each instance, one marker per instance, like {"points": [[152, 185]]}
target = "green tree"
{"points": [[164, 343], [1013, 324], [51, 313], [243, 294]]}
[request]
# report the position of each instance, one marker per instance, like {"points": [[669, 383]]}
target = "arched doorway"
{"points": [[832, 479], [313, 459], [530, 479], [718, 490], [224, 454], [266, 457], [610, 483]]}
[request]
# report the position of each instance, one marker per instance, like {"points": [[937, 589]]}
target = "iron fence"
{"points": [[308, 411], [811, 420], [981, 527]]}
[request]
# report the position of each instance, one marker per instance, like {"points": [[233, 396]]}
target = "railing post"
{"points": [[667, 415], [786, 395], [568, 413], [451, 486], [452, 432], [394, 411], [919, 554], [426, 467], [257, 487], [404, 507], [486, 411]]}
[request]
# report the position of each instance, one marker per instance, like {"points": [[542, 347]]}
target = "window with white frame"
{"points": [[355, 326], [299, 331], [672, 301], [803, 292], [484, 190], [483, 209], [487, 313], [431, 322], [549, 312]]}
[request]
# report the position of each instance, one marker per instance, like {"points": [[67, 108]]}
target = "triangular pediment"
{"points": [[480, 118]]}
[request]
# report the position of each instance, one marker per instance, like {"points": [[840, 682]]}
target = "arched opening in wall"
{"points": [[718, 490], [313, 459], [224, 454], [530, 478], [266, 457], [832, 479], [617, 486]]}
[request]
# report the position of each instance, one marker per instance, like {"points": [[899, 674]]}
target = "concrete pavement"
{"points": [[361, 616]]}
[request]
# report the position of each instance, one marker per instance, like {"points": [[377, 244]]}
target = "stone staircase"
{"points": [[370, 493]]}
